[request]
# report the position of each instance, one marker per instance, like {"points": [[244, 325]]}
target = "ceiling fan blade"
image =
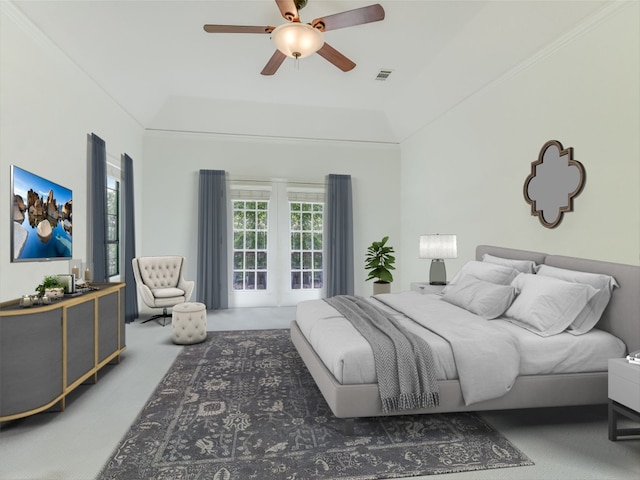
{"points": [[339, 60], [274, 63], [358, 16], [288, 10], [237, 29]]}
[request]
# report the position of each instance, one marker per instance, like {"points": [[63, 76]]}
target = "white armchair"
{"points": [[161, 284]]}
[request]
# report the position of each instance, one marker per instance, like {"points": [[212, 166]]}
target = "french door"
{"points": [[277, 238]]}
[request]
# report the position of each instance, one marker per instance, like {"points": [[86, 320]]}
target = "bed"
{"points": [[573, 385]]}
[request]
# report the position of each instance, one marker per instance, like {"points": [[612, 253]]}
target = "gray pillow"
{"points": [[486, 299], [523, 266], [488, 272], [591, 314], [546, 305]]}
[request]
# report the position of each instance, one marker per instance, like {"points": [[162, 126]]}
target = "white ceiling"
{"points": [[154, 58]]}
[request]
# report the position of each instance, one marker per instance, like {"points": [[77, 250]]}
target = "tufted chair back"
{"points": [[160, 272], [160, 282]]}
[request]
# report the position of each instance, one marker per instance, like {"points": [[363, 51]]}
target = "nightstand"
{"points": [[426, 287], [624, 396]]}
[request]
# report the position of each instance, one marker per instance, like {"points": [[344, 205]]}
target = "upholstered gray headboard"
{"points": [[510, 253], [622, 315]]}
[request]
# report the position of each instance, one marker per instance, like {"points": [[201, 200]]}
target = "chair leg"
{"points": [[162, 315]]}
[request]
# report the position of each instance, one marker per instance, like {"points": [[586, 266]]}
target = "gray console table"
{"points": [[47, 351]]}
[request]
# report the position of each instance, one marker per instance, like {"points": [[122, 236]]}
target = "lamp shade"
{"points": [[438, 246], [297, 40]]}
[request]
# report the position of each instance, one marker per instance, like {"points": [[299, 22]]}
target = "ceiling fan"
{"points": [[298, 40]]}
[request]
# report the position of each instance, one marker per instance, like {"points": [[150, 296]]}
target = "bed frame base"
{"points": [[534, 391]]}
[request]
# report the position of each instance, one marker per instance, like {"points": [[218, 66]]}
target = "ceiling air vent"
{"points": [[383, 75]]}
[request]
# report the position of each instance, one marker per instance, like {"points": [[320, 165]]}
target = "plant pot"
{"points": [[381, 287], [54, 293]]}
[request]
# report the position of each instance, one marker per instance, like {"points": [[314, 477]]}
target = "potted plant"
{"points": [[51, 286], [379, 262]]}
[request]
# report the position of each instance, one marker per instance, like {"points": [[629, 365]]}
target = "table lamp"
{"points": [[438, 247]]}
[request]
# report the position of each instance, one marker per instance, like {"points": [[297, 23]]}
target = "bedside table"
{"points": [[426, 287], [624, 396]]}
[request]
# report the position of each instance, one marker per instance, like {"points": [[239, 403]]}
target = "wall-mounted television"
{"points": [[41, 218]]}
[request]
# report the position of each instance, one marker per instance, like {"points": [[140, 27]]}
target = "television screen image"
{"points": [[41, 218]]}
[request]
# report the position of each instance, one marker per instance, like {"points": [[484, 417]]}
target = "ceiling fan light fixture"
{"points": [[297, 40]]}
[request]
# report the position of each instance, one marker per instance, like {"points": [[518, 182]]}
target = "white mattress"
{"points": [[349, 358]]}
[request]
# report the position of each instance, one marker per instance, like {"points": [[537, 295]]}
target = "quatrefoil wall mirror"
{"points": [[555, 179]]}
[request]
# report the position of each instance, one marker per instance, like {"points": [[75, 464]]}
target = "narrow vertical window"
{"points": [[306, 226], [113, 227], [250, 221]]}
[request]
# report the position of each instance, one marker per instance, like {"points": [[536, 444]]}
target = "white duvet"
{"points": [[349, 357]]}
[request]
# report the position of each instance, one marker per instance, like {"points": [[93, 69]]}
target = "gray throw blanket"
{"points": [[403, 361]]}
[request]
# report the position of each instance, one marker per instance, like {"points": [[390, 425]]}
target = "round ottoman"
{"points": [[189, 323]]}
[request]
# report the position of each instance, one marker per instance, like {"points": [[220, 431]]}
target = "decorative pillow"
{"points": [[546, 305], [488, 272], [524, 266], [486, 299], [592, 312]]}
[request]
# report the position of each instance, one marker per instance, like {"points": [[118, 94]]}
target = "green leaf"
{"points": [[379, 260]]}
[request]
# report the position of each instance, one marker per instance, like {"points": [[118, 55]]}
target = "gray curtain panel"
{"points": [[128, 239], [339, 236], [97, 189], [212, 286]]}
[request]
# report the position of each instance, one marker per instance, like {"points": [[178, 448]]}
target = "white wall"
{"points": [[47, 108], [461, 174], [464, 173], [170, 185]]}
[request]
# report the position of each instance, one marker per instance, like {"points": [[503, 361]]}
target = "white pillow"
{"points": [[489, 272], [546, 305], [486, 299], [524, 266], [592, 312]]}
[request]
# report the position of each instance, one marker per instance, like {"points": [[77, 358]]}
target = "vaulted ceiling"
{"points": [[155, 60]]}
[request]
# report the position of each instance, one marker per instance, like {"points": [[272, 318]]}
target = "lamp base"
{"points": [[437, 272]]}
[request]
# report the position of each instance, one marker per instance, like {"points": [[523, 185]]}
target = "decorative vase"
{"points": [[54, 293]]}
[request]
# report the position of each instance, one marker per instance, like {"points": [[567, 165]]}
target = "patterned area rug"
{"points": [[242, 405]]}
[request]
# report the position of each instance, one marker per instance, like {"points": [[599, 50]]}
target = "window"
{"points": [[306, 225], [277, 242], [250, 243], [113, 227]]}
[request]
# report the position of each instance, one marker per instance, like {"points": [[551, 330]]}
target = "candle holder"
{"points": [[25, 301]]}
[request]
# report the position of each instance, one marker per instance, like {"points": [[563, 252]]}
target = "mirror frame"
{"points": [[571, 162]]}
